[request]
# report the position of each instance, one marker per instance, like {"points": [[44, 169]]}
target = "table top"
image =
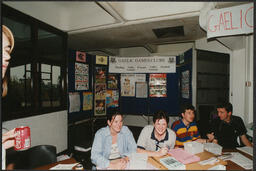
{"points": [[67, 161], [203, 156]]}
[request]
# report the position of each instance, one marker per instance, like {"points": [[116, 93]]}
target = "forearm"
{"points": [[149, 153]]}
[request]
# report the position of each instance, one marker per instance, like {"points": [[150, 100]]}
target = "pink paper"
{"points": [[183, 156]]}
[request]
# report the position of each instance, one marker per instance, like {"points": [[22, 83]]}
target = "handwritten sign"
{"points": [[230, 21]]}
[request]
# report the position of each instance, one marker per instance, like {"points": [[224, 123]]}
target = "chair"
{"points": [[37, 156]]}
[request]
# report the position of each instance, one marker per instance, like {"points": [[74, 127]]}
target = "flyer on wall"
{"points": [[100, 75], [157, 85], [112, 98], [87, 100], [112, 81], [81, 76], [100, 107]]}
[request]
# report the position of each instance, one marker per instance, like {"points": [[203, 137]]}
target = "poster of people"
{"points": [[128, 83], [100, 75], [87, 101], [80, 56], [100, 107], [185, 84], [112, 97], [81, 76], [100, 91], [112, 81], [157, 85]]}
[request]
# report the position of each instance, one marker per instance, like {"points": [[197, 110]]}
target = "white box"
{"points": [[213, 148], [193, 147]]}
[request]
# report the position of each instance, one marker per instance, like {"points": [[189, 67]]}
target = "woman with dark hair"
{"points": [[7, 47], [113, 144]]}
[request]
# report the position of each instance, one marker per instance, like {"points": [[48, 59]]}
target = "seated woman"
{"points": [[113, 144]]}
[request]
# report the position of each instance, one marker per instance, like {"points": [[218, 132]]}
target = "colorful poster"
{"points": [[81, 76], [112, 81], [87, 101], [74, 102], [102, 60], [112, 98], [157, 84], [100, 75], [185, 84], [128, 83], [100, 107], [80, 56], [100, 91], [141, 90]]}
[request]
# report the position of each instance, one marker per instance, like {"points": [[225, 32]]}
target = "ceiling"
{"points": [[93, 26]]}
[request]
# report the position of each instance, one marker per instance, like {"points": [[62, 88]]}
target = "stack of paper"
{"points": [[172, 164], [183, 156], [138, 161], [246, 149], [241, 160]]}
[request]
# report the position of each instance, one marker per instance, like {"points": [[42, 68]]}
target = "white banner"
{"points": [[152, 64], [230, 21]]}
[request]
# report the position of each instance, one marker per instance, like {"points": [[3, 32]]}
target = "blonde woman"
{"points": [[7, 47]]}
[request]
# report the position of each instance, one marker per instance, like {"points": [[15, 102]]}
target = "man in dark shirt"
{"points": [[225, 129]]}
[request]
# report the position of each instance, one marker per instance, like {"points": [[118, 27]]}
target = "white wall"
{"points": [[50, 129]]}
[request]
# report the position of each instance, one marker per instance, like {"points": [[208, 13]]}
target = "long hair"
{"points": [[10, 37]]}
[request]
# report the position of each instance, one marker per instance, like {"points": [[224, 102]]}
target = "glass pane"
{"points": [[28, 67], [46, 93], [46, 76], [56, 81], [45, 68], [55, 75]]}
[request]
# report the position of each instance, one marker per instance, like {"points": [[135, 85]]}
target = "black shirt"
{"points": [[227, 133]]}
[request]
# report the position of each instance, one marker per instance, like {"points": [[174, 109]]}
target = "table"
{"points": [[203, 156], [67, 161]]}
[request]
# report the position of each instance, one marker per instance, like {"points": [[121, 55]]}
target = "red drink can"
{"points": [[22, 139]]}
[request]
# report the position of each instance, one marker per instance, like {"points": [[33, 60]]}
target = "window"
{"points": [[37, 71]]}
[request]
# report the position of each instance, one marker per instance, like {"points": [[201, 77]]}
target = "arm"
{"points": [[97, 157], [163, 151], [245, 140]]}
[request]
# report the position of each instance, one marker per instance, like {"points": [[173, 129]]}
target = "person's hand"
{"points": [[8, 139], [215, 141], [201, 140], [163, 151], [210, 136], [118, 164]]}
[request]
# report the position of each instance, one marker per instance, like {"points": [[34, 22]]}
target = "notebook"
{"points": [[172, 164], [183, 156]]}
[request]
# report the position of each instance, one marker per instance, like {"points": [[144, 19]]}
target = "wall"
{"points": [[50, 129]]}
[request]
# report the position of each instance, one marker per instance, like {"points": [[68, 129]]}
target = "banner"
{"points": [[150, 64], [230, 21]]}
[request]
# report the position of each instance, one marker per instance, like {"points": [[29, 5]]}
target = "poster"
{"points": [[87, 101], [112, 98], [185, 84], [80, 56], [100, 107], [100, 91], [100, 75], [102, 60], [81, 76], [157, 84], [74, 102], [141, 90], [128, 83], [112, 81]]}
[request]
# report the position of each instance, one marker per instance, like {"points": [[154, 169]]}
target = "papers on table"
{"points": [[183, 156], [62, 157], [63, 166], [138, 161], [241, 160], [246, 149], [172, 164]]}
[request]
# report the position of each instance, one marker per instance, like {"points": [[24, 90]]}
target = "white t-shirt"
{"points": [[114, 154]]}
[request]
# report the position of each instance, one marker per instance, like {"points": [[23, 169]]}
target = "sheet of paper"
{"points": [[63, 166], [246, 149], [241, 160], [138, 161]]}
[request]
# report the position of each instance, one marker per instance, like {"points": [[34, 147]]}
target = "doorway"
{"points": [[212, 85]]}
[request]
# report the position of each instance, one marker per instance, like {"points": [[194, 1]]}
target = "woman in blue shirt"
{"points": [[113, 144]]}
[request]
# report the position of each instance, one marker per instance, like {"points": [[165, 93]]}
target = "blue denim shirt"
{"points": [[102, 142]]}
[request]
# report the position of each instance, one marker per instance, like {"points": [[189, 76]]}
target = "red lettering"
{"points": [[245, 17], [221, 21], [209, 24], [226, 21]]}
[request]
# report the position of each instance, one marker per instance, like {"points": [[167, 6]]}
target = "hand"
{"points": [[118, 164], [8, 139], [215, 141], [210, 136], [201, 140], [163, 151]]}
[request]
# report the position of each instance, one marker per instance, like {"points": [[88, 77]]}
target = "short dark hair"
{"points": [[226, 105], [160, 115], [187, 107], [113, 115]]}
